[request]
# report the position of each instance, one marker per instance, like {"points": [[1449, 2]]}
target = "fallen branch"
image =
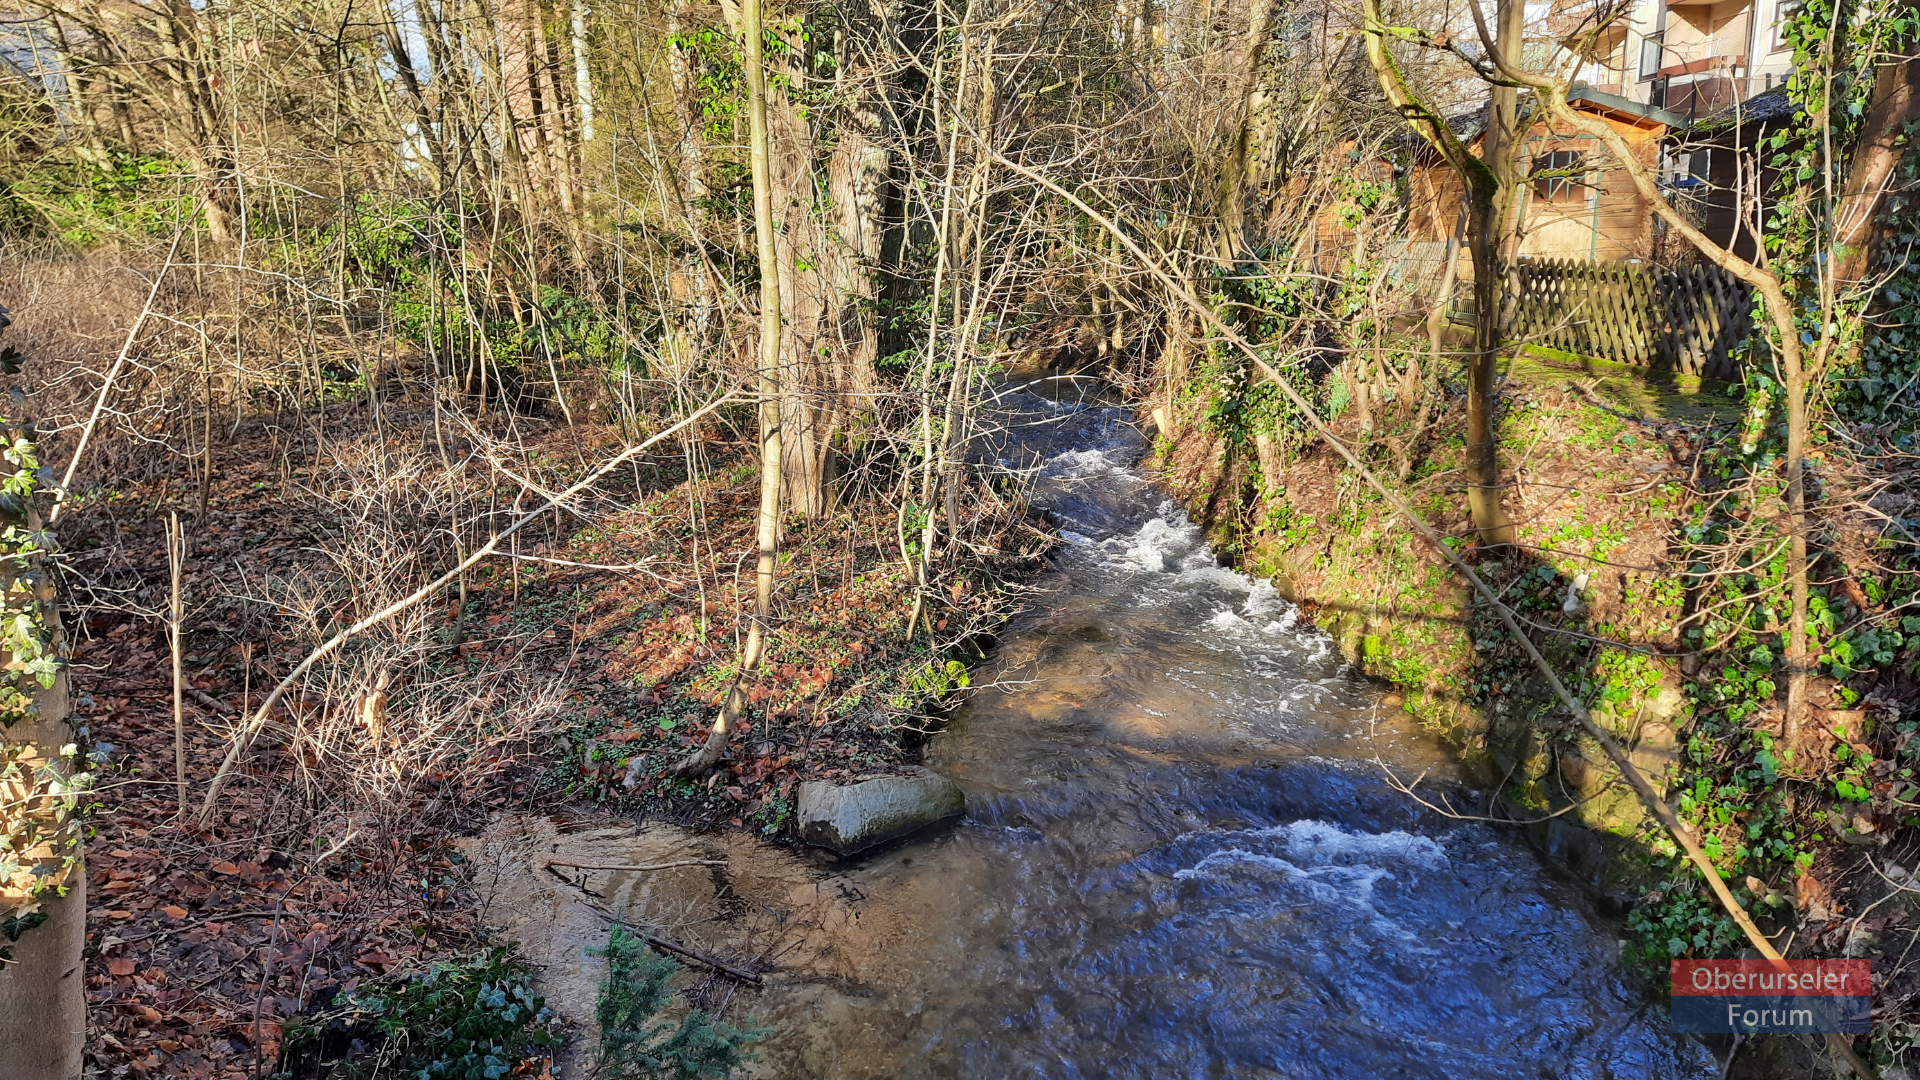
{"points": [[1595, 400], [622, 568], [210, 701], [634, 866], [243, 739], [659, 942], [1444, 809], [675, 947]]}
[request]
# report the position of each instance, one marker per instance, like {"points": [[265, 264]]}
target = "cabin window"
{"points": [[1560, 176]]}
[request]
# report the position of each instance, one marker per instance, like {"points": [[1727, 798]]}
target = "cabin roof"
{"points": [[1619, 108], [1472, 124]]}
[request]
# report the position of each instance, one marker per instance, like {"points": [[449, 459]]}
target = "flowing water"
{"points": [[1180, 858]]}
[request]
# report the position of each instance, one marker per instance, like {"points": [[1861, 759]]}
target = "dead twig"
{"points": [[106, 384], [675, 947], [1447, 811]]}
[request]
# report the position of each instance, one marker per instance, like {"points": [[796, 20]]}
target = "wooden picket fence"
{"points": [[1689, 319]]}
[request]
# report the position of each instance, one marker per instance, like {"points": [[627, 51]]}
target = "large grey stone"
{"points": [[853, 817]]}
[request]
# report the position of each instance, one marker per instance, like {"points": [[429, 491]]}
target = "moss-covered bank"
{"points": [[1648, 567], [1593, 496]]}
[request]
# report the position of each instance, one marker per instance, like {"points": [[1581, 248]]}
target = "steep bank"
{"points": [[1620, 491], [1593, 497]]}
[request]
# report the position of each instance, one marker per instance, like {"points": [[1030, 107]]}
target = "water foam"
{"points": [[1228, 620], [1324, 842], [1204, 571], [1345, 886], [1077, 465], [1264, 599], [1157, 541], [1328, 866]]}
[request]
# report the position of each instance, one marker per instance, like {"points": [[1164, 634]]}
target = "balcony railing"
{"points": [[1697, 95], [1696, 86]]}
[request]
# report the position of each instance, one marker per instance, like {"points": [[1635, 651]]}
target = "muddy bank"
{"points": [[827, 936], [570, 671]]}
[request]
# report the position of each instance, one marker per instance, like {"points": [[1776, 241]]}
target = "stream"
{"points": [[1180, 857]]}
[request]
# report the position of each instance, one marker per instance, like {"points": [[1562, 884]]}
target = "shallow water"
{"points": [[1180, 858]]}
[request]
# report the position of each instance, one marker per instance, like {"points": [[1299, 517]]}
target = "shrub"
{"points": [[470, 1019], [635, 1044]]}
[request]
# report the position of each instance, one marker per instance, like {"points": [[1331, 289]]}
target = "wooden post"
{"points": [[176, 558]]}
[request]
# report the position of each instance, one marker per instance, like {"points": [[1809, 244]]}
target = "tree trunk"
{"points": [[824, 265], [1233, 173], [417, 102], [1489, 231], [1443, 295], [1799, 666], [43, 1008], [582, 71], [1485, 192], [1505, 140], [696, 295], [1896, 105], [810, 394], [860, 178], [767, 528], [196, 117], [1482, 458]]}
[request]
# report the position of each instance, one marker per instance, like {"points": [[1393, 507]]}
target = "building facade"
{"points": [[1694, 58]]}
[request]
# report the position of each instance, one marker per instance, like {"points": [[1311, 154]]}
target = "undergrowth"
{"points": [[475, 1018], [638, 1043]]}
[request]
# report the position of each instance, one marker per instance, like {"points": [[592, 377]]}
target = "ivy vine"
{"points": [[42, 791]]}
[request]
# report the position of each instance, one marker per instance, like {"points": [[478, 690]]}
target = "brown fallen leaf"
{"points": [[119, 914], [1854, 593], [225, 868], [1811, 897], [174, 911], [148, 1013], [121, 965]]}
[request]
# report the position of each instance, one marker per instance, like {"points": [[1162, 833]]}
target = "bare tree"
{"points": [[1491, 186], [767, 523]]}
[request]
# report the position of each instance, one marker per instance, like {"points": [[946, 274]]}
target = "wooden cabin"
{"points": [[1581, 205]]}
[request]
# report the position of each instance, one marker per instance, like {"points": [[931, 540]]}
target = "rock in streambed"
{"points": [[853, 817]]}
